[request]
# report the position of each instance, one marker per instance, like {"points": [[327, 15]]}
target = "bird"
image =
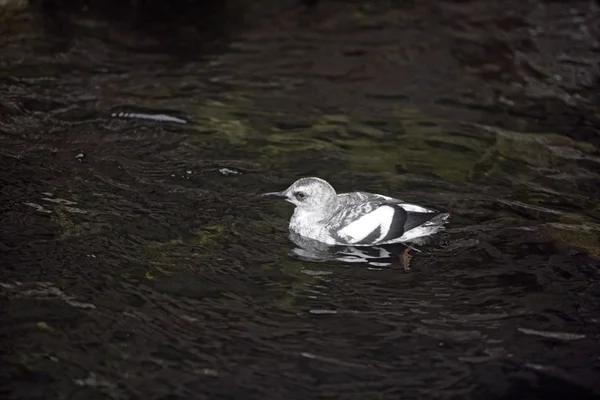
{"points": [[355, 218]]}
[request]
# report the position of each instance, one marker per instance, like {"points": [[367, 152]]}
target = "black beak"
{"points": [[277, 195]]}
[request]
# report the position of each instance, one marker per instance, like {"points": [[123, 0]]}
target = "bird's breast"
{"points": [[307, 224]]}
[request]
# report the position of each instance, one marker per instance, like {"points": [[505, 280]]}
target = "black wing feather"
{"points": [[414, 219], [405, 220], [397, 227]]}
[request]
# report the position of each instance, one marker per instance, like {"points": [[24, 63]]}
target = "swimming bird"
{"points": [[355, 218]]}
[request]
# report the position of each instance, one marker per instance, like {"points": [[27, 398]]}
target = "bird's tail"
{"points": [[440, 219]]}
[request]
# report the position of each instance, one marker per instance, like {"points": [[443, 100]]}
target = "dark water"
{"points": [[138, 263]]}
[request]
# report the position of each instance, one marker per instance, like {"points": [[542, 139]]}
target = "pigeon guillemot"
{"points": [[356, 218]]}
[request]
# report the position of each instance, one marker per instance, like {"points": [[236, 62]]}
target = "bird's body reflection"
{"points": [[377, 256]]}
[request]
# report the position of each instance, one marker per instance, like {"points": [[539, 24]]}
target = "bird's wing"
{"points": [[377, 221]]}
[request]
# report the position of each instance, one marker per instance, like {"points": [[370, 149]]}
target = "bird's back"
{"points": [[355, 198]]}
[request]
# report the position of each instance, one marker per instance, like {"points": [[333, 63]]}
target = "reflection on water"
{"points": [[311, 250], [137, 262], [397, 254]]}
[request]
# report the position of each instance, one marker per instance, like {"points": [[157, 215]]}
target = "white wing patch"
{"points": [[365, 225], [415, 208]]}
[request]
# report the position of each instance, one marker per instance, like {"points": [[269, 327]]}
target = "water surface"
{"points": [[138, 262]]}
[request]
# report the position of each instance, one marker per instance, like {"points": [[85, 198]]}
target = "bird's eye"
{"points": [[300, 195]]}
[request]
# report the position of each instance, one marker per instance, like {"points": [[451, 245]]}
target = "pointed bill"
{"points": [[277, 195]]}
